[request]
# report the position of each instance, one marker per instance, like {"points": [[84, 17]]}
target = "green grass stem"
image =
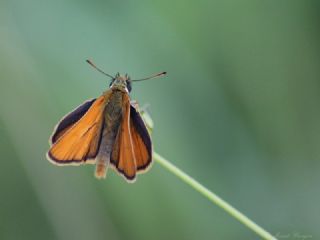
{"points": [[213, 197]]}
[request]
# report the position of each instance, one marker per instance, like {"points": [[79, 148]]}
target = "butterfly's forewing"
{"points": [[122, 156], [141, 140], [80, 142], [69, 120]]}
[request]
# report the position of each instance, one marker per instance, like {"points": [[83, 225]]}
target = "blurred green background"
{"points": [[238, 111]]}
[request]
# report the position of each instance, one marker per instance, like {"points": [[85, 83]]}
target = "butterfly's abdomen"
{"points": [[112, 115]]}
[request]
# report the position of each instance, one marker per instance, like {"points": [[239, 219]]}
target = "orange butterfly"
{"points": [[102, 131]]}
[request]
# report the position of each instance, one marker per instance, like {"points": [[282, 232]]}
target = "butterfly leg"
{"points": [[144, 114]]}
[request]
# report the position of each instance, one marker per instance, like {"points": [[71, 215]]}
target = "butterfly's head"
{"points": [[120, 82]]}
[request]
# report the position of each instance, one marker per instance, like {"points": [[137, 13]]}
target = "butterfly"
{"points": [[105, 131]]}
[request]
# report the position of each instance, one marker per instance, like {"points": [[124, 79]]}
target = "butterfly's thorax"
{"points": [[113, 108]]}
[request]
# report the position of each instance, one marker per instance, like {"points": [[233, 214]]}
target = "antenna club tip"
{"points": [[91, 63]]}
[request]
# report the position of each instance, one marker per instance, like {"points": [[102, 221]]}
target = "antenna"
{"points": [[94, 66], [153, 76]]}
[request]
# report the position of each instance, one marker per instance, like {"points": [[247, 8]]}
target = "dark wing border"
{"points": [[140, 126], [70, 119]]}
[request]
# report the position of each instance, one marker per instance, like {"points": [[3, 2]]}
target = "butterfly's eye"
{"points": [[129, 87], [111, 82]]}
